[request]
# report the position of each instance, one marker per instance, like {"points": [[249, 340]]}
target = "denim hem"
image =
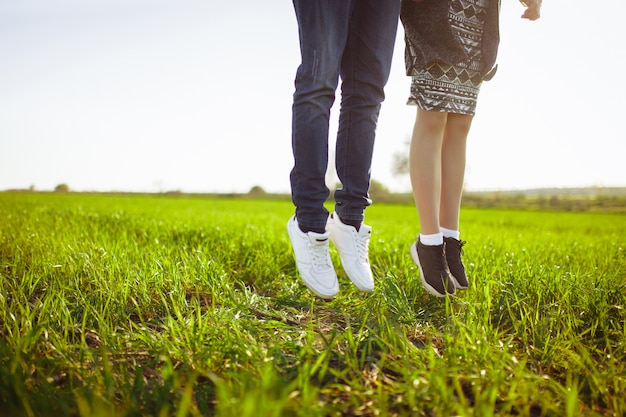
{"points": [[359, 217], [312, 226]]}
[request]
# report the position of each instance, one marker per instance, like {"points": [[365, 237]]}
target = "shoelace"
{"points": [[362, 248], [320, 256], [461, 244]]}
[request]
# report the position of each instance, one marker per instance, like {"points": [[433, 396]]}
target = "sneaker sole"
{"points": [[457, 285], [429, 288]]}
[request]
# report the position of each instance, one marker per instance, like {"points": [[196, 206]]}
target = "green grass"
{"points": [[157, 306]]}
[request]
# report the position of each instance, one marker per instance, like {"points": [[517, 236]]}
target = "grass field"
{"points": [[165, 306]]}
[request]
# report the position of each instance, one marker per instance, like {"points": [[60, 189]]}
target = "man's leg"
{"points": [[365, 67], [323, 29]]}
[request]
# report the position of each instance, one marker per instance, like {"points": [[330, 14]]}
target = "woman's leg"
{"points": [[425, 166], [453, 173], [453, 168]]}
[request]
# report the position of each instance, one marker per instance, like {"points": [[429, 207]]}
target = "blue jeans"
{"points": [[354, 40]]}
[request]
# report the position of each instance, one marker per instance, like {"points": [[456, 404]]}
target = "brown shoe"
{"points": [[434, 272], [454, 251]]}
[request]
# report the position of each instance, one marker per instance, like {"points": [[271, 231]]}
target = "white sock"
{"points": [[450, 233], [432, 240]]}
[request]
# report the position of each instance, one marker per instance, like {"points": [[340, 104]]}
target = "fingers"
{"points": [[531, 14], [533, 9]]}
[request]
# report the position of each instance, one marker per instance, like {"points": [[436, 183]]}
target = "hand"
{"points": [[533, 8]]}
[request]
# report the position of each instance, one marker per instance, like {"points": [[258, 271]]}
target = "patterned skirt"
{"points": [[454, 88]]}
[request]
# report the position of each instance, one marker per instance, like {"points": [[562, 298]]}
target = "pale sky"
{"points": [[195, 95]]}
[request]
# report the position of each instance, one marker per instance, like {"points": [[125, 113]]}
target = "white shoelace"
{"points": [[320, 256], [362, 248]]}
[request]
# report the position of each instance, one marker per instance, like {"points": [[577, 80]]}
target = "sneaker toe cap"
{"points": [[361, 276], [325, 285]]}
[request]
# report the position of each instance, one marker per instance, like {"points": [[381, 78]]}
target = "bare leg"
{"points": [[425, 166], [453, 168]]}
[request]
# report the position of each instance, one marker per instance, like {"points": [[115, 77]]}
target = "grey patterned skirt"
{"points": [[454, 88]]}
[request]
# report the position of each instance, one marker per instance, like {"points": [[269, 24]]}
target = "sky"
{"points": [[195, 96]]}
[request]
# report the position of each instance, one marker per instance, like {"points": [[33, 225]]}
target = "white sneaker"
{"points": [[353, 248], [313, 260]]}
